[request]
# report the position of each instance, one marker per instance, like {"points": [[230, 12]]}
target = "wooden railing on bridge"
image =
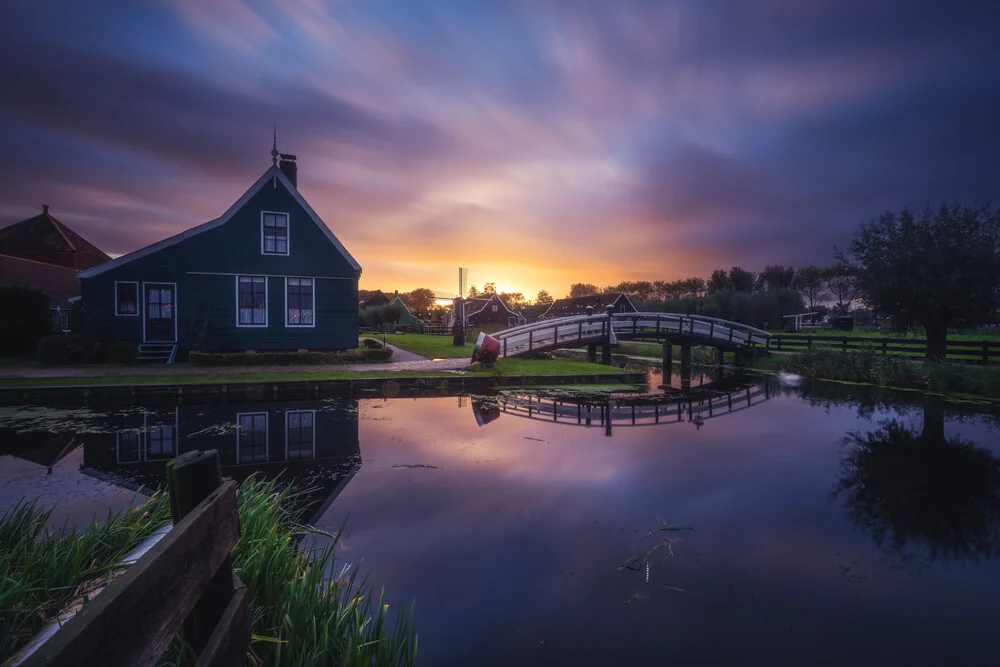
{"points": [[585, 329], [982, 351], [184, 579]]}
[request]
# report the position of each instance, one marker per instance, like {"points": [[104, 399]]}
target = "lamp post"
{"points": [[700, 293]]}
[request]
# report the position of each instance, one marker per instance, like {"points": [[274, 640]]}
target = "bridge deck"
{"points": [[661, 327]]}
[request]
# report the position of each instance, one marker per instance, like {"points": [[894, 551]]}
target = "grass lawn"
{"points": [[431, 346], [981, 334]]}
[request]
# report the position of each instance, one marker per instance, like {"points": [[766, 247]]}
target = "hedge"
{"points": [[289, 358], [63, 349]]}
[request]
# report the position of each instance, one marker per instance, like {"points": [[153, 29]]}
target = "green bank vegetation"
{"points": [[307, 608], [432, 346], [868, 366]]}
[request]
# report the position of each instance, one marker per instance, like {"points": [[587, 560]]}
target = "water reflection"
{"points": [[908, 487], [314, 443]]}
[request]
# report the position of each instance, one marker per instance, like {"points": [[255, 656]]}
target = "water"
{"points": [[830, 525]]}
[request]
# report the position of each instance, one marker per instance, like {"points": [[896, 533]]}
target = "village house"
{"points": [[268, 274], [598, 303], [43, 253], [490, 312]]}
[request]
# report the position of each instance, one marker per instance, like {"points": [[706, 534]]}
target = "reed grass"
{"points": [[41, 568], [307, 607]]}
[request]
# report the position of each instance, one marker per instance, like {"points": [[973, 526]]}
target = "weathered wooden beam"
{"points": [[227, 646], [133, 620]]}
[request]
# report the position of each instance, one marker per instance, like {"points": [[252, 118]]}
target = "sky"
{"points": [[536, 142]]}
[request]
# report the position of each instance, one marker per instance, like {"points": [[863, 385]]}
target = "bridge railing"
{"points": [[547, 333]]}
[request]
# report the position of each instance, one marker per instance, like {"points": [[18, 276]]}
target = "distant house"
{"points": [[406, 318], [599, 303], [268, 274], [532, 313], [44, 253], [490, 312]]}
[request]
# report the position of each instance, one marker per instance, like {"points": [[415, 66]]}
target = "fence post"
{"points": [[505, 347], [986, 352], [191, 477], [845, 343], [884, 347], [809, 342]]}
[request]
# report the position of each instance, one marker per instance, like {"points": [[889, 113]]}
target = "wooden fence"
{"points": [[184, 579], [982, 351]]}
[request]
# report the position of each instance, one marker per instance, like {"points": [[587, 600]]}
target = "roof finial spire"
{"points": [[274, 147]]}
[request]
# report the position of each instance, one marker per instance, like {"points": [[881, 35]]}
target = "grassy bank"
{"points": [[432, 346], [306, 607], [889, 371], [543, 367]]}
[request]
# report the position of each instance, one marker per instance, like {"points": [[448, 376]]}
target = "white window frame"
{"points": [[300, 412], [138, 298], [267, 302], [301, 326], [288, 233], [267, 437]]}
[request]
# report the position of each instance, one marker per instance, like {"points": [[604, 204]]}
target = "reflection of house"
{"points": [[43, 253], [266, 275], [316, 443], [598, 302], [490, 311]]}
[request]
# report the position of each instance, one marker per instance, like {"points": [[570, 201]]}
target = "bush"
{"points": [[373, 344], [123, 352], [62, 349], [26, 319], [290, 358]]}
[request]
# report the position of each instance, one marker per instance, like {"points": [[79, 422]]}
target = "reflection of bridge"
{"points": [[696, 407], [607, 329]]}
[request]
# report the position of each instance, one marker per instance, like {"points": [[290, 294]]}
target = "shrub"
{"points": [[290, 358], [67, 349], [123, 352], [26, 319], [373, 344]]}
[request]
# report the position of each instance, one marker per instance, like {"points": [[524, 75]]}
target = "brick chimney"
{"points": [[289, 169], [45, 209]]}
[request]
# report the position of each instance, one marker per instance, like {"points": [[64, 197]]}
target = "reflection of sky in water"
{"points": [[511, 546], [510, 535]]}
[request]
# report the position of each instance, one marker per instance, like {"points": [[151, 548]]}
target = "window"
{"points": [[251, 297], [128, 446], [159, 303], [494, 309], [300, 434], [160, 442], [274, 235], [300, 302], [251, 437], [126, 299]]}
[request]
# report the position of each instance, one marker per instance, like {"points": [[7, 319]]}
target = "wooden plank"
{"points": [[132, 621], [227, 646]]}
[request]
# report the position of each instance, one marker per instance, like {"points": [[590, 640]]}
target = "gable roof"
{"points": [[42, 238], [272, 173], [578, 305], [58, 282], [486, 302]]}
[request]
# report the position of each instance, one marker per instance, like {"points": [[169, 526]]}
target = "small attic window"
{"points": [[274, 233]]}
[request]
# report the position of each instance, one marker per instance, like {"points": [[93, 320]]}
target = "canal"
{"points": [[823, 524]]}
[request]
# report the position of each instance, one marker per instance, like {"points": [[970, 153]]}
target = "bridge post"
{"points": [[606, 353], [607, 420], [720, 356], [685, 366], [592, 352], [668, 361], [606, 348], [741, 358]]}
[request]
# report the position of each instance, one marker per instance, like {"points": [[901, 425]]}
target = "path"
{"points": [[398, 353]]}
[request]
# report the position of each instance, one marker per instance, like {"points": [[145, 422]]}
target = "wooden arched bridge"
{"points": [[606, 329]]}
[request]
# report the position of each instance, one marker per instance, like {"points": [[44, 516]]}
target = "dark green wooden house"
{"points": [[268, 274]]}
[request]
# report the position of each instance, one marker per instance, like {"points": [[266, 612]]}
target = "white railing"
{"points": [[552, 333]]}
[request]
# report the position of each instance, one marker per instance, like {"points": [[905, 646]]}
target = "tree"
{"points": [[544, 298], [719, 280], [582, 289], [741, 279], [420, 301], [473, 292], [810, 283], [938, 270], [489, 289], [841, 281], [775, 277], [26, 319], [513, 300]]}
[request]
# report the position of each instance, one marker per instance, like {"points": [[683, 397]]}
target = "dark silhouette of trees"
{"points": [[543, 298], [842, 283], [582, 289], [775, 277], [939, 269], [811, 284], [719, 280]]}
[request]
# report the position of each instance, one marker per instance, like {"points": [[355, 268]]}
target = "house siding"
{"points": [[204, 268]]}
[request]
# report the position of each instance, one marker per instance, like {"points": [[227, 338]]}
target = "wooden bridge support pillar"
{"points": [[668, 361], [606, 354], [741, 358], [685, 366], [592, 353], [720, 356], [607, 420]]}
